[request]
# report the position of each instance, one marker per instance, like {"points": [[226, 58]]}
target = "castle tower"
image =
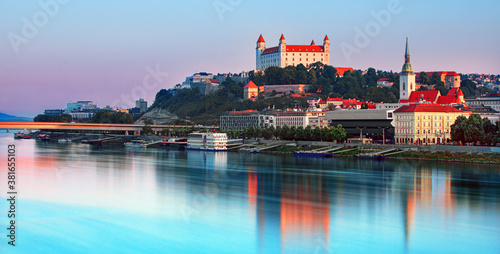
{"points": [[261, 46], [282, 44], [326, 47], [407, 77]]}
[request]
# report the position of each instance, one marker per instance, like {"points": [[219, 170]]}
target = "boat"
{"points": [[18, 135], [136, 143], [174, 144], [43, 137], [26, 137], [211, 141]]}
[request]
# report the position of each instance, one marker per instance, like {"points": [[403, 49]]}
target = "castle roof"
{"points": [[282, 37], [261, 39], [251, 84], [326, 38], [426, 108], [312, 43]]}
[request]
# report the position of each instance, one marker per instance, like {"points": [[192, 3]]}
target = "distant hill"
{"points": [[11, 118]]}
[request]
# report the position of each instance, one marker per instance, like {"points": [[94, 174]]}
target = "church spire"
{"points": [[407, 54], [407, 68]]}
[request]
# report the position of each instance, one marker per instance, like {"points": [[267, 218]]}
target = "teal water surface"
{"points": [[73, 198]]}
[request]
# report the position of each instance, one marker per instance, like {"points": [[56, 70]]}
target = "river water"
{"points": [[73, 198]]}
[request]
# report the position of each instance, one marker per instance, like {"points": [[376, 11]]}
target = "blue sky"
{"points": [[100, 51]]}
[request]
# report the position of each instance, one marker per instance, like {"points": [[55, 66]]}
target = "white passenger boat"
{"points": [[207, 141]]}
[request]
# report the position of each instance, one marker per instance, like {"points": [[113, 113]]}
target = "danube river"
{"points": [[73, 198]]}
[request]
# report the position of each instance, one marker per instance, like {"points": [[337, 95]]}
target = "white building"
{"points": [[284, 55]]}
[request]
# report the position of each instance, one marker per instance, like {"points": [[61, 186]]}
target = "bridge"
{"points": [[92, 126]]}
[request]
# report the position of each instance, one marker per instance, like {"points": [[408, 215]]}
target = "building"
{"points": [[342, 70], [407, 77], [408, 93], [142, 105], [492, 101], [286, 89], [79, 106], [424, 123], [284, 55], [451, 79], [250, 91], [384, 82], [53, 112], [239, 120], [377, 124]]}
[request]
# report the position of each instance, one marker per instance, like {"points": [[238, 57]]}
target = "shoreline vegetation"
{"points": [[444, 156]]}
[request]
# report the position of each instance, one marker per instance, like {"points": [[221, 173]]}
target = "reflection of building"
{"points": [[290, 216]]}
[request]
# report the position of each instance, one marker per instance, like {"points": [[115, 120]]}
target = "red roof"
{"points": [[270, 50], [282, 37], [312, 43], [304, 48], [244, 111], [342, 70], [251, 84], [440, 73], [261, 39], [426, 108], [326, 38], [448, 99], [384, 79], [214, 81], [429, 96]]}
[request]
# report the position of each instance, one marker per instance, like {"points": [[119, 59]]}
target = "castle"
{"points": [[284, 55]]}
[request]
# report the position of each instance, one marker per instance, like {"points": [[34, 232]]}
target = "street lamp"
{"points": [[383, 134]]}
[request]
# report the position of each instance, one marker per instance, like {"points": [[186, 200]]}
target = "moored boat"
{"points": [[207, 141]]}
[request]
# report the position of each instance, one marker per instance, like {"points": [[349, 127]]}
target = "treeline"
{"points": [[475, 130], [324, 80], [63, 118], [291, 133], [206, 109], [108, 117]]}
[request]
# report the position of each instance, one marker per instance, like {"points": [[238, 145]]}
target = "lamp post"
{"points": [[383, 134]]}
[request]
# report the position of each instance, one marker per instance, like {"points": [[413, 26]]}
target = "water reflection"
{"points": [[229, 202]]}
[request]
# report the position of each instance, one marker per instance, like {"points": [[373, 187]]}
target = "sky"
{"points": [[113, 52]]}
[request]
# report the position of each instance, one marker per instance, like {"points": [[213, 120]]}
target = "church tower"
{"points": [[407, 77], [261, 46]]}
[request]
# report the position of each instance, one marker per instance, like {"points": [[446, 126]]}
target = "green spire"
{"points": [[407, 54]]}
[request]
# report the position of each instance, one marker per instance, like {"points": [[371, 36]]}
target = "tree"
{"points": [[147, 130], [424, 78], [473, 129], [63, 118], [457, 131]]}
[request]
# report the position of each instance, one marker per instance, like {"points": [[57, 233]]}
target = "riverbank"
{"points": [[444, 156]]}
